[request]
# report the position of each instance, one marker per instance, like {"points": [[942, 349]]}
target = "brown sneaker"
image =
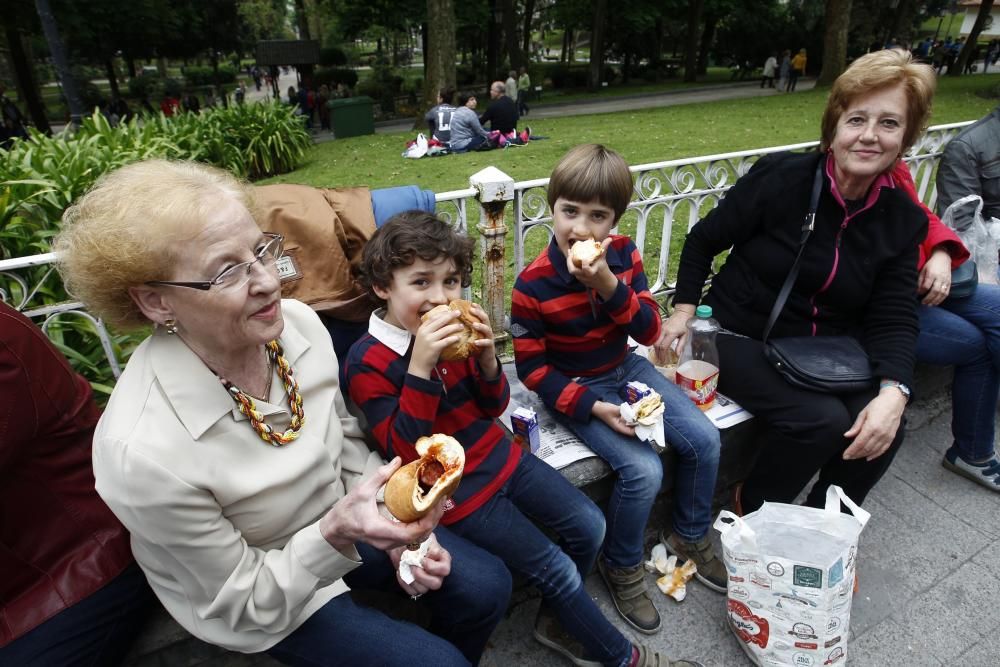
{"points": [[549, 632], [650, 658], [627, 586], [711, 571]]}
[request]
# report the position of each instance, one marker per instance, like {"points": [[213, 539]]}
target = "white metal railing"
{"points": [[669, 198]]}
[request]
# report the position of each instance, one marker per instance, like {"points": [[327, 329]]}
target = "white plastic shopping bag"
{"points": [[418, 148], [979, 235], [791, 580]]}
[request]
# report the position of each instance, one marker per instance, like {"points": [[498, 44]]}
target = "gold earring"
{"points": [[171, 326]]}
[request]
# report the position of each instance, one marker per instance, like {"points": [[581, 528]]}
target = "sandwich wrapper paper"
{"points": [[410, 559], [649, 428], [675, 577]]}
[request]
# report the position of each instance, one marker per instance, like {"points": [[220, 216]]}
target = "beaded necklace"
{"points": [[246, 404]]}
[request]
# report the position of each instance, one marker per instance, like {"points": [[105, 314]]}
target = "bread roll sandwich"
{"points": [[586, 252], [466, 338], [649, 408], [415, 488]]}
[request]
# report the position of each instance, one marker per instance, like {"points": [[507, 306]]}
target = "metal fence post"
{"points": [[493, 190]]}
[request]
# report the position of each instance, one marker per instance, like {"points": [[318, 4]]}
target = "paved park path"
{"points": [[541, 110], [928, 569]]}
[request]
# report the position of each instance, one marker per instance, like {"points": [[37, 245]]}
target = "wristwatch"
{"points": [[903, 389]]}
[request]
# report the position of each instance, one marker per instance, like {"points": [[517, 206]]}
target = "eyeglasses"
{"points": [[238, 275]]}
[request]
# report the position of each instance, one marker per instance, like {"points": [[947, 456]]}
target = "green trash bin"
{"points": [[351, 116]]}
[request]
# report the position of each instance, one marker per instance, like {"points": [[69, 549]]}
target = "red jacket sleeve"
{"points": [[937, 233]]}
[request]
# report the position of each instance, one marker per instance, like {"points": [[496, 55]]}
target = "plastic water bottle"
{"points": [[698, 369]]}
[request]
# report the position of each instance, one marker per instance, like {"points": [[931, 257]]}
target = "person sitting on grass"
{"points": [[396, 375], [466, 132], [571, 327], [501, 114], [439, 117]]}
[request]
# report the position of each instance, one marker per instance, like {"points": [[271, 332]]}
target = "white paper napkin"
{"points": [[410, 559], [649, 428]]}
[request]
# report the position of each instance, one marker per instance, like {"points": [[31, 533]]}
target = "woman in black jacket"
{"points": [[857, 277]]}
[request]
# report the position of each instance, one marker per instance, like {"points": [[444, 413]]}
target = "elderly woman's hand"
{"points": [[934, 281], [674, 329], [430, 576], [876, 425], [356, 518]]}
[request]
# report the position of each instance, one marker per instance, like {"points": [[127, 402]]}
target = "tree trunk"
{"points": [[838, 18], [493, 42], [510, 37], [600, 24], [130, 65], [109, 66], [51, 30], [565, 46], [25, 76], [439, 58], [985, 9], [302, 19], [707, 37], [691, 40], [423, 46], [529, 14], [658, 42]]}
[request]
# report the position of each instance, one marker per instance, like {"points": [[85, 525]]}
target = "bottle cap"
{"points": [[703, 311]]}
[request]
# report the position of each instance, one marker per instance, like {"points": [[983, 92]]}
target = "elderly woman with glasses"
{"points": [[226, 448]]}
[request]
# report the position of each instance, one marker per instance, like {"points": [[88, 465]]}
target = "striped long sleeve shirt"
{"points": [[564, 330], [401, 408]]}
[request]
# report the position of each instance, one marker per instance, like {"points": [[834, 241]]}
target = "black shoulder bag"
{"points": [[830, 364]]}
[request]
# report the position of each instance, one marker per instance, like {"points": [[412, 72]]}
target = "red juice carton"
{"points": [[524, 424], [636, 391]]}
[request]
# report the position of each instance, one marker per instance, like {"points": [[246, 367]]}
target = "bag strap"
{"points": [[835, 496], [807, 228]]}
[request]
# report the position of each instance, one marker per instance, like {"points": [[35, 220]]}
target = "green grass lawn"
{"points": [[648, 135]]}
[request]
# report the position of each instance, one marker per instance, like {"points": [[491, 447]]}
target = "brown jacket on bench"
{"points": [[325, 231]]}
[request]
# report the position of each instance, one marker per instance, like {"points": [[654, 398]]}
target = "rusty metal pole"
{"points": [[493, 190]]}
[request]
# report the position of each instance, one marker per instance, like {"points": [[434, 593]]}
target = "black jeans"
{"points": [[97, 630], [802, 431]]}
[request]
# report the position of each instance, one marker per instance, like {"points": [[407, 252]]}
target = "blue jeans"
{"points": [[97, 630], [966, 333], [690, 434], [464, 611], [503, 526], [470, 145]]}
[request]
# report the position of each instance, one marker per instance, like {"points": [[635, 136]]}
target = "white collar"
{"points": [[394, 338]]}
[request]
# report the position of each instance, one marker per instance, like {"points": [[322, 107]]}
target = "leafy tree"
{"points": [[24, 75], [985, 10], [838, 18], [439, 58], [263, 19], [597, 29]]}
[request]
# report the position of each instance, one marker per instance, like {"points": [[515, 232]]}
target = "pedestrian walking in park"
{"points": [[510, 85], [523, 90], [797, 69], [770, 65], [785, 69]]}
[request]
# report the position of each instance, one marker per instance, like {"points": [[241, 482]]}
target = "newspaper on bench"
{"points": [[559, 447]]}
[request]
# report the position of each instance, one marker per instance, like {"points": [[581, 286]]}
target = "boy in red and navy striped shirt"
{"points": [[570, 326], [395, 375]]}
